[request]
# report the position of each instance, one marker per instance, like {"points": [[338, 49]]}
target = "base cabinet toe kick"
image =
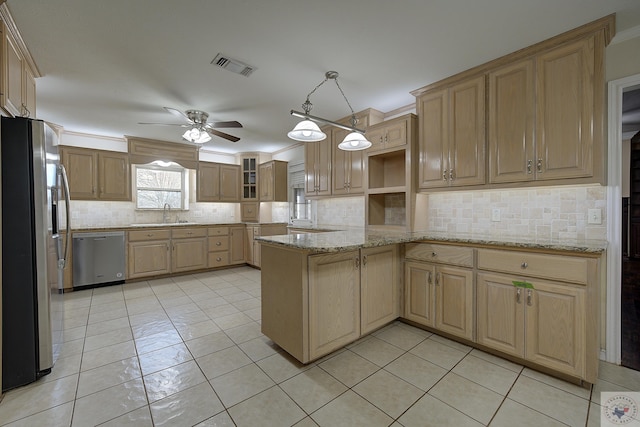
{"points": [[534, 306]]}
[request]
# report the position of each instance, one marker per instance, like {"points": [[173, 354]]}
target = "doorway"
{"points": [[620, 241]]}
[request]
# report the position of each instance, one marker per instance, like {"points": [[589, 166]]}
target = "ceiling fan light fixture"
{"points": [[197, 136], [354, 141], [307, 131]]}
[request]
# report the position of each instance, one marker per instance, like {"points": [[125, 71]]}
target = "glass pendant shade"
{"points": [[307, 131], [196, 136], [354, 141]]}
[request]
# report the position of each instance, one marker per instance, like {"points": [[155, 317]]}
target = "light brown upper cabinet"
{"points": [[348, 167], [273, 181], [388, 134], [545, 116], [218, 182], [317, 166], [542, 116], [18, 94], [565, 111], [97, 174], [452, 135]]}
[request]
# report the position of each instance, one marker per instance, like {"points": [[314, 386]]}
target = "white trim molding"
{"points": [[616, 88], [628, 34]]}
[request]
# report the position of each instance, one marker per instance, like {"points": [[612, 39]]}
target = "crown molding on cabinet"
{"points": [[10, 25]]}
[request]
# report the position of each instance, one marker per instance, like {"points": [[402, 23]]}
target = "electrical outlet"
{"points": [[594, 216], [495, 215]]}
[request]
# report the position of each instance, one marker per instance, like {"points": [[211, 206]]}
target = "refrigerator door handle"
{"points": [[65, 183]]}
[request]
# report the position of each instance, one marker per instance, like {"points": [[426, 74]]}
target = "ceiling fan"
{"points": [[199, 131]]}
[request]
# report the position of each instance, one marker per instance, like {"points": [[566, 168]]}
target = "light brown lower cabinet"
{"points": [[149, 258], [440, 293], [189, 254], [544, 325], [315, 304], [440, 297]]}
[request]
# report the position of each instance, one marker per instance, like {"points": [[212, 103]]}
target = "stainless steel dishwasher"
{"points": [[98, 258]]}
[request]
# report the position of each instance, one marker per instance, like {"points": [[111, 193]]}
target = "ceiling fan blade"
{"points": [[223, 135], [231, 124], [185, 125], [178, 113]]}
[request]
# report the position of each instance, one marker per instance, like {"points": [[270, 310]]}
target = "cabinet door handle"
{"points": [[438, 279], [529, 297], [518, 295], [149, 234], [444, 175], [386, 138], [539, 165], [451, 175], [357, 263], [524, 265], [364, 260], [529, 166], [429, 279]]}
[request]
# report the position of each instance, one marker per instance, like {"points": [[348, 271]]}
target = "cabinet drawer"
{"points": [[455, 255], [557, 267], [155, 234], [219, 231], [185, 233], [218, 243], [218, 259]]}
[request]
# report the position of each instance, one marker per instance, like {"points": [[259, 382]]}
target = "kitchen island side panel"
{"points": [[284, 284]]}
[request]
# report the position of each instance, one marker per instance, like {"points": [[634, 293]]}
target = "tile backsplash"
{"points": [[347, 211], [97, 214], [547, 212]]}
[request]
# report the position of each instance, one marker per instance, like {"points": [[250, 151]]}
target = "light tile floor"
{"points": [[188, 351]]}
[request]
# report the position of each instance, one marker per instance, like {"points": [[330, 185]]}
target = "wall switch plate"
{"points": [[495, 215], [594, 216]]}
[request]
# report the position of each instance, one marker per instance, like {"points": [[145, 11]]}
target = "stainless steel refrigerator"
{"points": [[33, 249]]}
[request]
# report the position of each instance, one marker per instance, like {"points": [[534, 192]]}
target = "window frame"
{"points": [[183, 191]]}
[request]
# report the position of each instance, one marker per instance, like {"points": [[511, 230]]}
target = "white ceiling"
{"points": [[107, 65]]}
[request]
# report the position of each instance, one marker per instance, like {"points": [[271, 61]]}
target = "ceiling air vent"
{"points": [[233, 65]]}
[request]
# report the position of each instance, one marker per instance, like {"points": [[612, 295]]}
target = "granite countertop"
{"points": [[167, 225], [344, 240]]}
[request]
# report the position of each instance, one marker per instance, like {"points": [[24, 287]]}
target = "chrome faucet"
{"points": [[165, 212]]}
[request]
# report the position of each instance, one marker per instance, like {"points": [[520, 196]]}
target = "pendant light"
{"points": [[308, 131]]}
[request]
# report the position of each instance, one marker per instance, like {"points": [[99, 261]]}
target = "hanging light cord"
{"points": [[307, 106]]}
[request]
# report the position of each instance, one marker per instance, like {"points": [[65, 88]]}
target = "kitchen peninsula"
{"points": [[533, 300]]}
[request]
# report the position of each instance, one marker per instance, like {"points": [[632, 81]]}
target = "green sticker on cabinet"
{"points": [[526, 285]]}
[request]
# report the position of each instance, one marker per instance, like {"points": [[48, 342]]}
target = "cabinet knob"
{"points": [[434, 254], [218, 243], [149, 234], [524, 265], [218, 259], [189, 233]]}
